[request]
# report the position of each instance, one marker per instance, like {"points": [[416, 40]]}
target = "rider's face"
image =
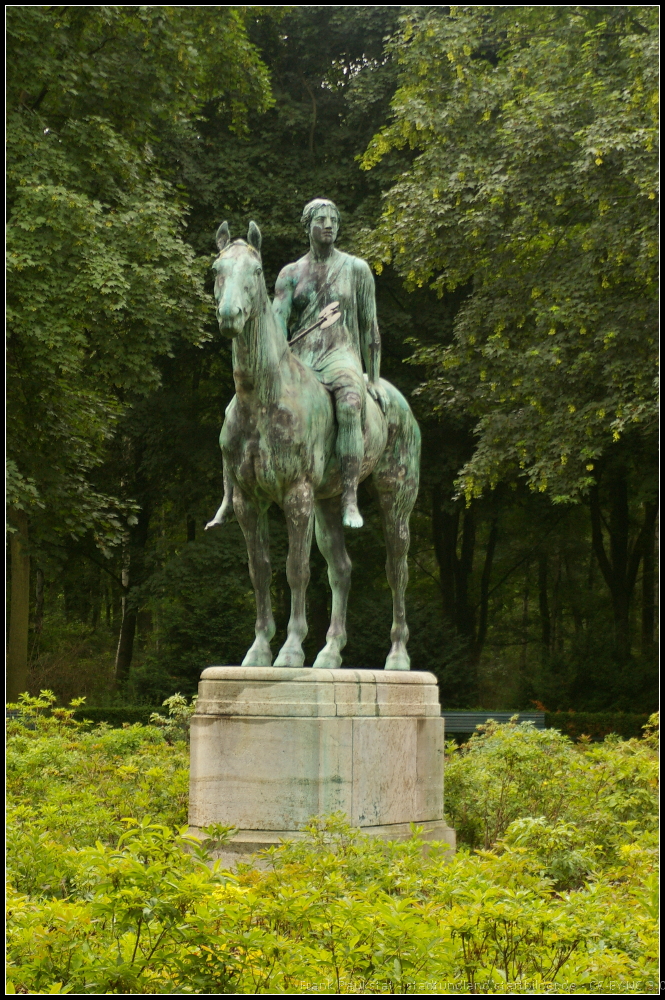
{"points": [[324, 225]]}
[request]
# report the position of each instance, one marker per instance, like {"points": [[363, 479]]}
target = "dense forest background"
{"points": [[497, 167]]}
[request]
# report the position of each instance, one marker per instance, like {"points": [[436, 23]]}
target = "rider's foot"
{"points": [[351, 517]]}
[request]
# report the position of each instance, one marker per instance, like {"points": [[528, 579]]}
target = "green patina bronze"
{"points": [[307, 425]]}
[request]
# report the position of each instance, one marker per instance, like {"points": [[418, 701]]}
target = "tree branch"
{"points": [[597, 539], [484, 586], [40, 97], [521, 561], [638, 547], [124, 589]]}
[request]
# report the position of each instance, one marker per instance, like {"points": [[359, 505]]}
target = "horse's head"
{"points": [[238, 279]]}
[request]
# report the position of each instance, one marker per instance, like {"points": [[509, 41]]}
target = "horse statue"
{"points": [[278, 446]]}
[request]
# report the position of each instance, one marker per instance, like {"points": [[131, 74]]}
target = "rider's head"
{"points": [[321, 212]]}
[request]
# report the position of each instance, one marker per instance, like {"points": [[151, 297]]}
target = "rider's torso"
{"points": [[316, 285]]}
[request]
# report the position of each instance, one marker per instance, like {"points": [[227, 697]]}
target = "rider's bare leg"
{"points": [[350, 446]]}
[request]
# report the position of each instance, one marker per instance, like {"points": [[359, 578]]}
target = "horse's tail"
{"points": [[398, 468]]}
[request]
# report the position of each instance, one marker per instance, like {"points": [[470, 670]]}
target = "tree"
{"points": [[545, 214], [506, 601], [101, 282]]}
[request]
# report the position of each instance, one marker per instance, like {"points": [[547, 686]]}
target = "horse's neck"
{"points": [[257, 355]]}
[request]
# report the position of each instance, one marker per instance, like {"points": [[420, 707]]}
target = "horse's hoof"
{"points": [[257, 658], [290, 660], [352, 518], [328, 659], [398, 661]]}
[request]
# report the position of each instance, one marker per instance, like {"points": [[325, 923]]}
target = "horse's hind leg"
{"points": [[395, 480], [253, 520], [298, 510], [330, 540], [226, 508], [396, 533]]}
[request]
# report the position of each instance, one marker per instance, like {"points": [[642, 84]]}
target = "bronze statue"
{"points": [[335, 353], [279, 439]]}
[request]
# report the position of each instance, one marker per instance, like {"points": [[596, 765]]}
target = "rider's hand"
{"points": [[378, 393]]}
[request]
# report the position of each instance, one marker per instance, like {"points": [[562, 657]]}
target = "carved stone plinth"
{"points": [[273, 746]]}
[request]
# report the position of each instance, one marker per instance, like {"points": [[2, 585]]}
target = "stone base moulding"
{"points": [[273, 746], [248, 842]]}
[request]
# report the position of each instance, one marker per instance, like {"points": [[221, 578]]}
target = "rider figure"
{"points": [[322, 276]]}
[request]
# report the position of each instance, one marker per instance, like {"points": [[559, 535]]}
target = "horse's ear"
{"points": [[222, 236], [254, 236]]}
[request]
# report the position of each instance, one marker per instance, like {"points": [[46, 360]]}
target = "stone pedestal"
{"points": [[273, 746]]}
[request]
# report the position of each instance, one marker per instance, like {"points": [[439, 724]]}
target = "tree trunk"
{"points": [[96, 598], [123, 656], [39, 601], [465, 617], [125, 651], [485, 589], [578, 618], [38, 621], [619, 527], [133, 574], [543, 603], [143, 627], [191, 529], [649, 581], [620, 568], [525, 619], [445, 526], [19, 611]]}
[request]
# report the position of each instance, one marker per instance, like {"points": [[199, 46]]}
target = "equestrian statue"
{"points": [[306, 426]]}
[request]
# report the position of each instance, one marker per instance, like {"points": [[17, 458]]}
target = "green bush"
{"points": [[105, 897], [597, 725], [117, 716], [507, 772]]}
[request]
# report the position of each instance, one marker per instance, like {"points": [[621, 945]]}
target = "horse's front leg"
{"points": [[330, 540], [253, 520], [298, 510]]}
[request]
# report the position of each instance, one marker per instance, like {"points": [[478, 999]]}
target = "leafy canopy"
{"points": [[101, 281], [533, 188]]}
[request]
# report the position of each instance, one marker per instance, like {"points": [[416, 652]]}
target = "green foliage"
{"points": [[132, 65], [99, 903], [144, 108], [175, 726], [545, 214], [116, 716], [607, 791], [96, 293], [69, 787], [597, 725], [101, 282]]}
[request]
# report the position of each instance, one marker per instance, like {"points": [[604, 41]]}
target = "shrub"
{"points": [[176, 726], [507, 772], [597, 725], [105, 898]]}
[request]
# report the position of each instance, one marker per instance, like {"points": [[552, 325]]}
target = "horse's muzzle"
{"points": [[231, 322]]}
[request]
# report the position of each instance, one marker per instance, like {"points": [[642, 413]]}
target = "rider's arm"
{"points": [[368, 327], [283, 300]]}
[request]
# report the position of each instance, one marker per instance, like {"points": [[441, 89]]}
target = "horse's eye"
{"points": [[259, 270]]}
